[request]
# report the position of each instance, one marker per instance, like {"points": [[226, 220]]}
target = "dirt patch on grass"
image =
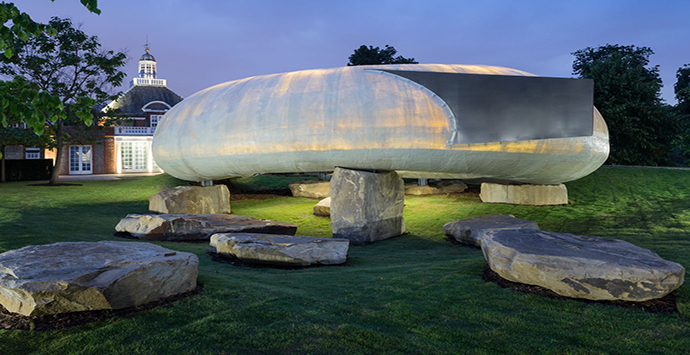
{"points": [[236, 262], [258, 196], [54, 185], [14, 321], [664, 305]]}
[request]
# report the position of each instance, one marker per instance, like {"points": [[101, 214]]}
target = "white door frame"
{"points": [[134, 156], [80, 159]]}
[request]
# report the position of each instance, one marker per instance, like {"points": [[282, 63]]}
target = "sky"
{"points": [[200, 43]]}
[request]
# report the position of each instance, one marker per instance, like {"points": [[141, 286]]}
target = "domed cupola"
{"points": [[147, 56], [147, 65], [148, 73]]}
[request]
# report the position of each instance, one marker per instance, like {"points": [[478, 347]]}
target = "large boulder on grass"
{"points": [[323, 208], [470, 231], [280, 249], [310, 188], [442, 187], [191, 200], [581, 267], [71, 277], [190, 227], [366, 206], [524, 194]]}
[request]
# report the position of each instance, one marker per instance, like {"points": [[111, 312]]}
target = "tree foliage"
{"points": [[18, 98], [72, 73], [627, 92], [374, 55], [18, 25], [27, 103], [682, 89]]}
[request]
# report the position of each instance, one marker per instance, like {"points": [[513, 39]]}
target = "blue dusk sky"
{"points": [[200, 43]]}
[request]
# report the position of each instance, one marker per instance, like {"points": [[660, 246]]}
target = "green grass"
{"points": [[416, 294]]}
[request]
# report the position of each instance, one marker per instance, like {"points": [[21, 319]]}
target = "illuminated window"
{"points": [[32, 153], [133, 156]]}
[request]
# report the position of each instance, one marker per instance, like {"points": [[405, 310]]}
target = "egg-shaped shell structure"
{"points": [[359, 117]]}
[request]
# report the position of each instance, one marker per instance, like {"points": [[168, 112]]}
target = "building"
{"points": [[126, 148]]}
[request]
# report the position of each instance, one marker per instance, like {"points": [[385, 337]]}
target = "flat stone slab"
{"points": [[323, 208], [436, 188], [190, 227], [310, 188], [280, 249], [581, 267], [191, 200], [471, 230], [531, 195], [71, 277]]}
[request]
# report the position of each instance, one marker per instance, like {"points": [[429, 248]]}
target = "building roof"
{"points": [[132, 101], [147, 56]]}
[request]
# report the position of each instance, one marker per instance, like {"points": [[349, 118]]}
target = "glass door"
{"points": [[80, 160], [134, 157]]}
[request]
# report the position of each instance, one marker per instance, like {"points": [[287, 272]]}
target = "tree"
{"points": [[682, 89], [374, 55], [18, 25], [71, 68], [627, 92], [18, 99], [682, 108]]}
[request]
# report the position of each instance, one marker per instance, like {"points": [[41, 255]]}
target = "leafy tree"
{"points": [[374, 55], [682, 89], [627, 92], [682, 108], [27, 102], [70, 68], [18, 99], [18, 25]]}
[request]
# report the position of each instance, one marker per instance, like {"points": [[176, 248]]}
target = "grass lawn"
{"points": [[416, 294]]}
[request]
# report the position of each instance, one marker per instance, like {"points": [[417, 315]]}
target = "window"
{"points": [[134, 156], [32, 153], [155, 119], [80, 159]]}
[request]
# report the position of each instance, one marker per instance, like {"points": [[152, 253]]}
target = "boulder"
{"points": [[581, 267], [471, 230], [533, 195], [71, 277], [366, 206], [189, 227], [191, 200], [323, 208], [280, 249], [310, 188], [436, 188]]}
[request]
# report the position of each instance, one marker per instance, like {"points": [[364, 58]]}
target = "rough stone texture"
{"points": [[436, 188], [323, 208], [279, 249], [191, 200], [181, 227], [70, 277], [310, 188], [581, 267], [366, 206], [472, 230], [533, 195]]}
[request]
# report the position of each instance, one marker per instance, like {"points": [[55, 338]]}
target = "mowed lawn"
{"points": [[416, 294]]}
